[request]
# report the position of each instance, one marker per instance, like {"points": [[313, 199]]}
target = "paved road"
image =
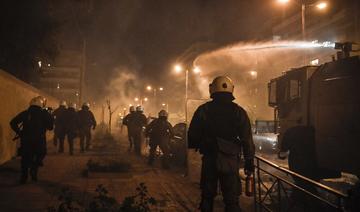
{"points": [[169, 187]]}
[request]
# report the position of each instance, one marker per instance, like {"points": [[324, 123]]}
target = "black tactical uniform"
{"points": [[59, 131], [72, 127], [137, 126], [86, 122], [221, 130], [35, 121], [160, 131], [129, 118]]}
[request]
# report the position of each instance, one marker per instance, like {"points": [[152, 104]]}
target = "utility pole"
{"points": [[82, 73]]}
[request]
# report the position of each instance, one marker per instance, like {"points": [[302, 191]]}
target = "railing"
{"points": [[275, 190]]}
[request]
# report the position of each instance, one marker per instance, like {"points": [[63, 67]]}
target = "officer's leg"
{"points": [[152, 152], [41, 154], [36, 158], [208, 184], [137, 143], [82, 138], [61, 142], [88, 139], [165, 157], [56, 138], [71, 144], [231, 190], [130, 140], [25, 165]]}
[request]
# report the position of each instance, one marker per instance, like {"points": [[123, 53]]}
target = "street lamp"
{"points": [[319, 5], [178, 69]]}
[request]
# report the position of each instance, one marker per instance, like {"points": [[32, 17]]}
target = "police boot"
{"points": [[206, 205], [23, 177], [33, 173], [165, 164]]}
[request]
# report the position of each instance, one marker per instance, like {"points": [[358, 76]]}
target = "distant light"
{"points": [[253, 74], [146, 99], [283, 1], [130, 105], [58, 86], [136, 99], [77, 94], [314, 62], [163, 104], [125, 108], [161, 88], [48, 65], [119, 114], [321, 5], [196, 70], [39, 63], [148, 88], [178, 68]]}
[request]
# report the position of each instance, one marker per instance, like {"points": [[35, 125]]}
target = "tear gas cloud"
{"points": [[250, 65]]}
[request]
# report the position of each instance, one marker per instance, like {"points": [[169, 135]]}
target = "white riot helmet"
{"points": [[132, 109], [37, 101], [44, 100], [63, 103], [139, 109], [163, 113], [72, 105], [86, 104], [221, 84]]}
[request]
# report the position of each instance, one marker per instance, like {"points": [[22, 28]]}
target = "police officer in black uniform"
{"points": [[59, 131], [128, 120], [138, 124], [160, 131], [86, 122], [221, 131], [72, 126], [31, 126]]}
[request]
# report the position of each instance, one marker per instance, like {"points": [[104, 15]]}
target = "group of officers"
{"points": [[32, 124], [159, 132], [220, 130]]}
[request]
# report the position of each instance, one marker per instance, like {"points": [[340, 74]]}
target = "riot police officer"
{"points": [[220, 129], [72, 126], [160, 131], [59, 131], [31, 126], [128, 120], [86, 122], [138, 124]]}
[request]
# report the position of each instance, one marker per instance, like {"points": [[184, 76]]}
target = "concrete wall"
{"points": [[15, 96]]}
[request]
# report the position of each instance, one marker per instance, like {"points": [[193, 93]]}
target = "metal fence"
{"points": [[279, 189]]}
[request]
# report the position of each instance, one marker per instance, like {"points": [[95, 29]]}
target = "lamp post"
{"points": [[178, 69], [319, 5]]}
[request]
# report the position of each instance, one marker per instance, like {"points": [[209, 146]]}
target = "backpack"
{"points": [[227, 150]]}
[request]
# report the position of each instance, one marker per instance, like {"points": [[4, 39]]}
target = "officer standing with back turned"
{"points": [[221, 131], [31, 126], [128, 122], [86, 123]]}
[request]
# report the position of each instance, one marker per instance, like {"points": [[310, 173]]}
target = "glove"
{"points": [[249, 167]]}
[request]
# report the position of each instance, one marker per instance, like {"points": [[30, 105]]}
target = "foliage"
{"points": [[141, 202], [67, 203], [102, 202]]}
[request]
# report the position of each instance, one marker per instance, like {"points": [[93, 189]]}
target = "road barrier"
{"points": [[275, 190]]}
